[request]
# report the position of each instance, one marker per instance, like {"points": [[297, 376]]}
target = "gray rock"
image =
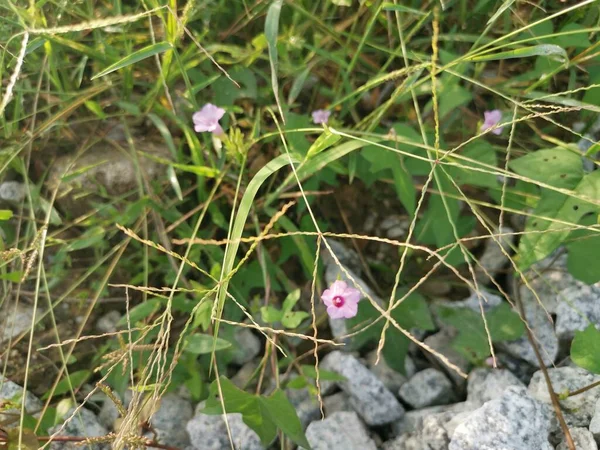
{"points": [[108, 322], [337, 402], [412, 422], [82, 423], [392, 379], [579, 308], [247, 348], [583, 439], [484, 385], [109, 169], [345, 254], [210, 432], [441, 342], [368, 395], [14, 321], [548, 278], [578, 409], [595, 423], [168, 421], [494, 258], [12, 192], [404, 442], [243, 376], [543, 331], [341, 430], [12, 392], [427, 388], [395, 226], [513, 421]]}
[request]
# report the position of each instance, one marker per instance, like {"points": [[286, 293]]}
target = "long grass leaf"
{"points": [[135, 57]]}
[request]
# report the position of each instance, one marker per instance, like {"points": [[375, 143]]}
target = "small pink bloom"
{"points": [[320, 116], [492, 118], [207, 119], [341, 300]]}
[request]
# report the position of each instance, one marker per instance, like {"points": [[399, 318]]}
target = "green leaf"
{"points": [[575, 40], [291, 300], [241, 216], [201, 344], [141, 311], [545, 235], [5, 214], [404, 185], [585, 349], [263, 414], [284, 415], [74, 381], [310, 372], [323, 142], [270, 314], [271, 33], [297, 85], [292, 319], [452, 98], [554, 51], [90, 238], [479, 151], [472, 340], [557, 167], [135, 57], [583, 247], [413, 312]]}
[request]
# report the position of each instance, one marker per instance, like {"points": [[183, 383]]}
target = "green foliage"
{"points": [[264, 414], [285, 315], [472, 339], [585, 349], [413, 312]]}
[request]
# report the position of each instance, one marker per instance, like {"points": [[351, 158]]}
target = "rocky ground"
{"points": [[430, 407]]}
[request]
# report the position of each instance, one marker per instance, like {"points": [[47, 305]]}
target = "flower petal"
{"points": [[352, 295], [349, 310], [335, 313], [338, 287], [327, 297]]}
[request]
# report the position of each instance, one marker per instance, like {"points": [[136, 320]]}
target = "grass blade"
{"points": [[144, 53], [271, 33], [534, 50]]}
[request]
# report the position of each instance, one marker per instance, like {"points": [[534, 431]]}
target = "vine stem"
{"points": [[544, 369]]}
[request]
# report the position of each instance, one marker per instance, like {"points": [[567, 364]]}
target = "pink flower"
{"points": [[320, 116], [491, 119], [341, 300], [207, 119]]}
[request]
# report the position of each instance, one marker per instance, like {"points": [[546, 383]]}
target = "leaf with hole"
{"points": [[556, 167]]}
